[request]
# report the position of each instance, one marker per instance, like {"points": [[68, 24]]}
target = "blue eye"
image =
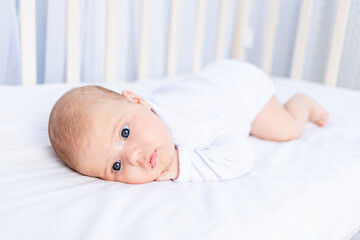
{"points": [[125, 132], [117, 166]]}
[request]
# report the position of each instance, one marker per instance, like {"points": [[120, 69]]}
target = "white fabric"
{"points": [[303, 189], [209, 116]]}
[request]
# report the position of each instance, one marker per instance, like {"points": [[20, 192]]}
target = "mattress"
{"points": [[307, 188]]}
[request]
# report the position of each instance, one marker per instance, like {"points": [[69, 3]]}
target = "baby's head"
{"points": [[101, 133]]}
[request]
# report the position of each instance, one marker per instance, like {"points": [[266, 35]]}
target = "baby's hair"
{"points": [[69, 119]]}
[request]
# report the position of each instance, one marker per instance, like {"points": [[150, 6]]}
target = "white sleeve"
{"points": [[225, 157]]}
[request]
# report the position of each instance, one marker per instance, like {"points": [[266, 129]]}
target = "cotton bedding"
{"points": [[307, 188]]}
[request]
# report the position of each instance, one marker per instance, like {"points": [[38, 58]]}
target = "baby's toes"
{"points": [[323, 119]]}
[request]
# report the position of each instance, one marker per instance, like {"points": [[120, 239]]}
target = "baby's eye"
{"points": [[125, 132], [117, 166]]}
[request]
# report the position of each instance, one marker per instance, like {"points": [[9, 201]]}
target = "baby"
{"points": [[192, 130]]}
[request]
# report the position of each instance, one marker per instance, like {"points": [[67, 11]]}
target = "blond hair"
{"points": [[69, 119]]}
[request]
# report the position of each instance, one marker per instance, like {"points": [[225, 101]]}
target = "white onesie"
{"points": [[209, 116]]}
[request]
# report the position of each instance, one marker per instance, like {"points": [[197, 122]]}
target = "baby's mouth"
{"points": [[152, 159]]}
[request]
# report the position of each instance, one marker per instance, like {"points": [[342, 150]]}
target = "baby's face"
{"points": [[129, 143]]}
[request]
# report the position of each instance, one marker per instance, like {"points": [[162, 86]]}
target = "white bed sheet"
{"points": [[304, 189]]}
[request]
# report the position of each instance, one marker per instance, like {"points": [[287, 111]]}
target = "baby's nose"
{"points": [[134, 157]]}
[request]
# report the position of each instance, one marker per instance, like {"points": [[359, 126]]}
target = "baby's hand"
{"points": [[167, 175]]}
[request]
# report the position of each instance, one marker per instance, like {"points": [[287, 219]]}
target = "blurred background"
{"points": [[51, 39]]}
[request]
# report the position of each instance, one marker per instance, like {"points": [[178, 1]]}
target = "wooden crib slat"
{"points": [[73, 41], [112, 41], [173, 38], [242, 18], [302, 34], [221, 29], [337, 42], [143, 66], [199, 35], [270, 35], [28, 42]]}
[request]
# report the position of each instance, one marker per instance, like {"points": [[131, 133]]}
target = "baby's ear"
{"points": [[134, 98]]}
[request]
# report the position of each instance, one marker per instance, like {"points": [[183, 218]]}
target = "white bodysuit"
{"points": [[209, 116]]}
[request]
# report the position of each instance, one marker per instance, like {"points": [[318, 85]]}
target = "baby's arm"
{"points": [[283, 123]]}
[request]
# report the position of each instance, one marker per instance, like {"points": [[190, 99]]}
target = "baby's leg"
{"points": [[283, 123]]}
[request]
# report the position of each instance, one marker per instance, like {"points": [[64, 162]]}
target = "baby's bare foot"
{"points": [[318, 114]]}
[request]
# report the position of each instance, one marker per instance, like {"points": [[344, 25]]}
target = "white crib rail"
{"points": [[143, 65], [337, 43], [112, 41], [270, 34], [28, 42], [173, 38], [221, 29], [242, 19], [199, 35], [73, 41], [28, 38]]}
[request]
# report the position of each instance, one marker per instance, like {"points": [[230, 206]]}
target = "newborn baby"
{"points": [[188, 131]]}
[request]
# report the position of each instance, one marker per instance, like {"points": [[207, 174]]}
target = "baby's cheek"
{"points": [[135, 176]]}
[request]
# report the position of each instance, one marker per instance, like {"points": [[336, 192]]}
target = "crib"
{"points": [[303, 189]]}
